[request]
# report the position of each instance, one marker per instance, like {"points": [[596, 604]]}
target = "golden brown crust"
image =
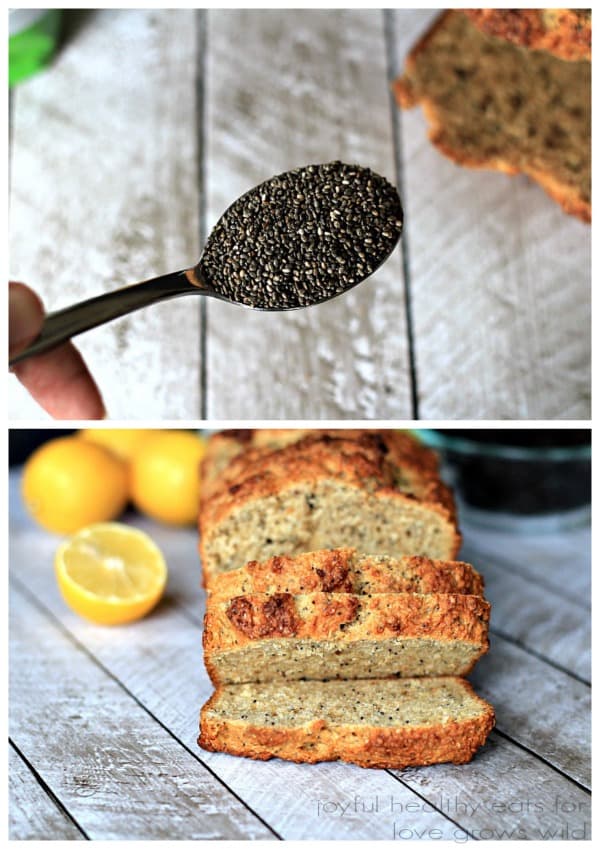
{"points": [[443, 616], [569, 199], [342, 618], [275, 616], [567, 33], [260, 472], [343, 570], [575, 200], [390, 747], [227, 445]]}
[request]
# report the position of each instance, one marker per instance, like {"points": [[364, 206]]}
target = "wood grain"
{"points": [[105, 193], [544, 558], [302, 86], [33, 814], [500, 280], [118, 772], [505, 794], [540, 619], [538, 706]]}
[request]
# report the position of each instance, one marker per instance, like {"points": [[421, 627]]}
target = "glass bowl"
{"points": [[517, 478]]}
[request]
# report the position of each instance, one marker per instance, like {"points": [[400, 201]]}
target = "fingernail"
{"points": [[25, 317]]}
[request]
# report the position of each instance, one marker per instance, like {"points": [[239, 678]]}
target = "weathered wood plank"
{"points": [[539, 619], [105, 193], [500, 282], [113, 767], [560, 561], [539, 706], [504, 794], [32, 814], [302, 86]]}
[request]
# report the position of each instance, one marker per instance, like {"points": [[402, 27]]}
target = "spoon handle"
{"points": [[63, 324]]}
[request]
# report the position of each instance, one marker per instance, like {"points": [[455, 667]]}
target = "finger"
{"points": [[25, 317], [61, 383]]}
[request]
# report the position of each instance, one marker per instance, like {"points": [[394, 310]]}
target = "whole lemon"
{"points": [[165, 479], [123, 442], [69, 483]]}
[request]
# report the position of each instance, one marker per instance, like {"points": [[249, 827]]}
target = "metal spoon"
{"points": [[298, 239]]}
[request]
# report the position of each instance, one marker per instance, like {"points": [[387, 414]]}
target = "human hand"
{"points": [[58, 380]]}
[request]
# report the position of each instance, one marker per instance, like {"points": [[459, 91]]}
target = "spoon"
{"points": [[296, 240]]}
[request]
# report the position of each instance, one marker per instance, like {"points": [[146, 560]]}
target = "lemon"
{"points": [[110, 573], [68, 483], [165, 476], [123, 442]]}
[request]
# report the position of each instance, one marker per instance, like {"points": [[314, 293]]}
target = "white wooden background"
{"points": [[103, 722], [151, 122]]}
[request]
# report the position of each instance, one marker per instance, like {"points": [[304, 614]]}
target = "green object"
{"points": [[33, 36]]}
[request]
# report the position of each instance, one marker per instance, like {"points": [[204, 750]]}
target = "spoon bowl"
{"points": [[296, 240]]}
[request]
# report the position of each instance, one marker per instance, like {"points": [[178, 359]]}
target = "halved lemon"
{"points": [[110, 573]]}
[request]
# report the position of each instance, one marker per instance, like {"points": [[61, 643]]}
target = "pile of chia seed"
{"points": [[303, 237]]}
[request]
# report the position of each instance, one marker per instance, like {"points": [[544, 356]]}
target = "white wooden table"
{"points": [[151, 122], [103, 722]]}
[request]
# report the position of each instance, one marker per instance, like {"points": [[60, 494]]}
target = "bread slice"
{"points": [[322, 636], [491, 104], [343, 570], [566, 33], [377, 723], [379, 493]]}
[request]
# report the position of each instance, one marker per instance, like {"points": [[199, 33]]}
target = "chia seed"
{"points": [[302, 237]]}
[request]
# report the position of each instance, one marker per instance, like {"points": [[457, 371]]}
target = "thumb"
{"points": [[25, 316]]}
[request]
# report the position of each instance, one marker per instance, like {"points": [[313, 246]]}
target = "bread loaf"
{"points": [[329, 633], [376, 723], [379, 492], [492, 104], [279, 636], [344, 570]]}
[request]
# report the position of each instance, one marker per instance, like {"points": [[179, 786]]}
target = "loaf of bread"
{"points": [[566, 33], [492, 104], [337, 619], [343, 570], [379, 492], [377, 723], [321, 636]]}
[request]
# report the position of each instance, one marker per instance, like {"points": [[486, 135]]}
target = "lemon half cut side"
{"points": [[110, 573]]}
